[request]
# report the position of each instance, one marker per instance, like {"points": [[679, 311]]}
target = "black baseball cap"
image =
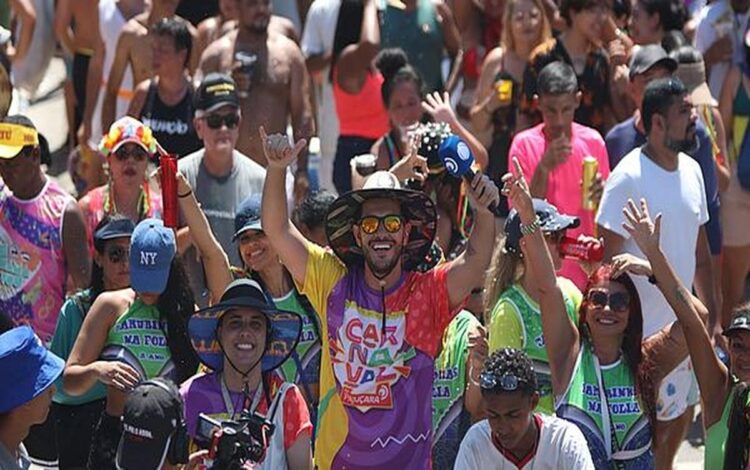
{"points": [[740, 322], [550, 220], [648, 56], [153, 413], [216, 90]]}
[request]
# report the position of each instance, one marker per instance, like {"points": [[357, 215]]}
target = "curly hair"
{"points": [[636, 361], [514, 362], [176, 305]]}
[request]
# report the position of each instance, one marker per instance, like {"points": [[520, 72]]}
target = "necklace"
{"points": [[109, 205]]}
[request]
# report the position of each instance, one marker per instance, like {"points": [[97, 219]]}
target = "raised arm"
{"points": [[355, 60], [288, 242], [440, 109], [215, 261], [713, 376], [467, 271], [560, 334]]}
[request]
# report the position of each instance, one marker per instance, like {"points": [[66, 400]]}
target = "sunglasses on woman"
{"points": [[117, 254], [369, 224], [214, 121], [618, 301], [137, 153]]}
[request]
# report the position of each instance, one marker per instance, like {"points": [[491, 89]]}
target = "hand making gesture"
{"points": [[278, 150]]}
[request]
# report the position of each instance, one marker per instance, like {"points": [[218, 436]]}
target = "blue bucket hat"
{"points": [[247, 216], [282, 335], [152, 248], [27, 365], [550, 220]]}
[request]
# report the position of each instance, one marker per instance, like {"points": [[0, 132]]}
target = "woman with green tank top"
{"points": [[135, 334], [512, 299], [603, 372]]}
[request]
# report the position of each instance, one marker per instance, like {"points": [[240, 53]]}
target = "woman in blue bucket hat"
{"points": [[32, 371], [243, 339]]}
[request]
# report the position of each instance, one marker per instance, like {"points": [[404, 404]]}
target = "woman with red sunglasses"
{"points": [[603, 371]]}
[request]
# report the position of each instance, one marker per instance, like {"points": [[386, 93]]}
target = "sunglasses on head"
{"points": [[618, 301], [117, 254], [391, 223], [136, 152], [214, 121], [506, 383]]}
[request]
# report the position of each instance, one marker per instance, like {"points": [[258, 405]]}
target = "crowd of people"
{"points": [[353, 234]]}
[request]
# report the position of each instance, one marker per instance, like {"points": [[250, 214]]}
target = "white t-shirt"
{"points": [[681, 199], [715, 21], [561, 446]]}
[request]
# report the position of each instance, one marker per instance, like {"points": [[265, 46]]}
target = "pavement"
{"points": [[47, 111]]}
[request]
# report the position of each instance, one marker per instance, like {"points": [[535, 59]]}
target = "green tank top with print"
{"points": [[602, 402], [533, 340], [717, 433], [139, 339]]}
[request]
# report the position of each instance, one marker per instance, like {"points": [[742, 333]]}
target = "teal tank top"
{"points": [[138, 338], [601, 401]]}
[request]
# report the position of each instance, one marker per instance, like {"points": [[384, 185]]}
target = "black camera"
{"points": [[232, 443]]}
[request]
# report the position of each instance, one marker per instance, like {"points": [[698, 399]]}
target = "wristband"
{"points": [[185, 195], [527, 230], [652, 279]]}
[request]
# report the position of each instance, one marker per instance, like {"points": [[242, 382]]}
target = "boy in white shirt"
{"points": [[513, 436]]}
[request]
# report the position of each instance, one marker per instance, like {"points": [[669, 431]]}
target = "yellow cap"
{"points": [[14, 137]]}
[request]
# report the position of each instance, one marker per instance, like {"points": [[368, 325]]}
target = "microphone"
{"points": [[457, 159]]}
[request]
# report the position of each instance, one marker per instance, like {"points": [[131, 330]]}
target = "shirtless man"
{"points": [[134, 50], [73, 20], [214, 27], [278, 89]]}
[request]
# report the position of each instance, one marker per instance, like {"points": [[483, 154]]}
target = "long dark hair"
{"points": [[348, 29], [176, 304], [638, 364], [395, 68], [736, 448]]}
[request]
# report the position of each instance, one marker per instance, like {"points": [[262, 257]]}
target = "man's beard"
{"points": [[383, 268], [687, 145]]}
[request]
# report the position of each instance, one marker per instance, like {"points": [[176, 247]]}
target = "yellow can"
{"points": [[590, 168], [504, 90]]}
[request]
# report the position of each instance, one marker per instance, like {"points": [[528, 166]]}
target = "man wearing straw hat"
{"points": [[382, 320]]}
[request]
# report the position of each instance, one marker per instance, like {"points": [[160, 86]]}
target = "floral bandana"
{"points": [[124, 130]]}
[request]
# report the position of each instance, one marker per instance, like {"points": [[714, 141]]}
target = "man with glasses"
{"points": [[381, 319], [221, 176], [513, 436]]}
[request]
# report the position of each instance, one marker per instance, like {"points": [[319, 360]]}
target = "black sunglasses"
{"points": [[137, 153], [507, 383], [618, 301], [117, 254], [214, 121]]}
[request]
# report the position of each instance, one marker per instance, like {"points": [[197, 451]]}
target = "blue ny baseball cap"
{"points": [[27, 365], [152, 248]]}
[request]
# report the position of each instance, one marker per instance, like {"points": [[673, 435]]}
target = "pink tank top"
{"points": [[363, 114], [32, 262]]}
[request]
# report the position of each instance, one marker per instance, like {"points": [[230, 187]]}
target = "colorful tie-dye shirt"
{"points": [[375, 409], [32, 261]]}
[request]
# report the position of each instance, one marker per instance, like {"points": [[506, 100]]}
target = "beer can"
{"points": [[168, 165], [590, 168], [571, 248]]}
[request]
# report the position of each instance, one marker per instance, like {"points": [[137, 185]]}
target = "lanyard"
{"points": [[228, 399]]}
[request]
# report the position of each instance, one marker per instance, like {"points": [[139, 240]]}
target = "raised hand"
{"points": [[482, 193], [638, 224], [631, 264], [413, 165], [439, 107], [517, 191], [278, 150]]}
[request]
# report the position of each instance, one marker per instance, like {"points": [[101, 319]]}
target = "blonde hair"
{"points": [[506, 37], [505, 269]]}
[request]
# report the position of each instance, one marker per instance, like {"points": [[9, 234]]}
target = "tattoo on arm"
{"points": [[683, 295]]}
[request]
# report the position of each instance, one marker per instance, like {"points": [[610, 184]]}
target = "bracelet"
{"points": [[527, 230], [185, 195]]}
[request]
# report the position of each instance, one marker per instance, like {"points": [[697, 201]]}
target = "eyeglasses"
{"points": [[214, 121], [117, 254], [391, 223], [137, 153], [506, 383], [618, 301]]}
